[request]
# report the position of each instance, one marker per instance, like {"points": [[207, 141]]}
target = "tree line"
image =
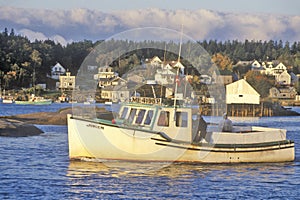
{"points": [[20, 58]]}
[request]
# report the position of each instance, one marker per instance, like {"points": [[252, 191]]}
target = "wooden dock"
{"points": [[264, 109]]}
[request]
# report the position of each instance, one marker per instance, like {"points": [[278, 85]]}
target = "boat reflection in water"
{"points": [[80, 169]]}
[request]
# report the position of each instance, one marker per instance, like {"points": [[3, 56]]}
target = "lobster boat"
{"points": [[147, 130]]}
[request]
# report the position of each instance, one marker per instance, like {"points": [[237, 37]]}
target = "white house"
{"points": [[67, 82], [275, 71], [241, 92], [284, 78], [255, 65], [106, 72], [178, 64], [57, 70], [156, 61], [105, 76], [119, 93], [268, 67], [165, 76], [283, 93]]}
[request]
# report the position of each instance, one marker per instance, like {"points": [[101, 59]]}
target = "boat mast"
{"points": [[163, 66], [177, 73], [185, 77]]}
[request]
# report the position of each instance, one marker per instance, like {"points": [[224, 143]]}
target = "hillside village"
{"points": [[112, 88]]}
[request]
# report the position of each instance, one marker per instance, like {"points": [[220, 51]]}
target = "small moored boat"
{"points": [[35, 100], [147, 130]]}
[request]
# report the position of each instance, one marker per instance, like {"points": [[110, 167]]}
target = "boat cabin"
{"points": [[176, 123]]}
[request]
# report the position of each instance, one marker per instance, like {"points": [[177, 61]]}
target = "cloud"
{"points": [[79, 23]]}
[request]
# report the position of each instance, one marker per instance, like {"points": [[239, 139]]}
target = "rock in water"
{"points": [[15, 128]]}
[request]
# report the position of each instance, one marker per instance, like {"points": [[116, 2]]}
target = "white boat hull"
{"points": [[91, 139], [7, 101]]}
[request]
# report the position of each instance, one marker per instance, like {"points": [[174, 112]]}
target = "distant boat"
{"points": [[7, 99], [35, 100]]}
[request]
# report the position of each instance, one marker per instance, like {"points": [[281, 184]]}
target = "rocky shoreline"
{"points": [[24, 124]]}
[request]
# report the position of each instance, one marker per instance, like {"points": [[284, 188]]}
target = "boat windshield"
{"points": [[132, 115], [140, 116], [124, 113], [136, 116], [148, 117]]}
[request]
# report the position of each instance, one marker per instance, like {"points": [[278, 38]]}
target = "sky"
{"points": [[72, 20], [260, 6]]}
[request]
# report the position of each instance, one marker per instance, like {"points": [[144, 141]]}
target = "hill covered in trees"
{"points": [[19, 57]]}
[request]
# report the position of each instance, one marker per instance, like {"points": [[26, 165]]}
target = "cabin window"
{"points": [[148, 117], [240, 95], [163, 119], [181, 119], [132, 115], [124, 112], [140, 116]]}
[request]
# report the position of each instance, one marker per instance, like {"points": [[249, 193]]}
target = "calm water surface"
{"points": [[39, 168]]}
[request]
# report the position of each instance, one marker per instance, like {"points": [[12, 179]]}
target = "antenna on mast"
{"points": [[179, 54], [165, 52], [177, 73]]}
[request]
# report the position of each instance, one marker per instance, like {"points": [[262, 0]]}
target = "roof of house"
{"points": [[241, 87], [58, 65]]}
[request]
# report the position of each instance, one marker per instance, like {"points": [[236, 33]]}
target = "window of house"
{"points": [[181, 119], [240, 95], [163, 119], [148, 117]]}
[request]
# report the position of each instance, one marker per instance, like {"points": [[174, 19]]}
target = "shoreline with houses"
{"points": [[241, 98]]}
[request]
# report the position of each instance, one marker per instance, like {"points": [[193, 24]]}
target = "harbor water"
{"points": [[38, 167]]}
